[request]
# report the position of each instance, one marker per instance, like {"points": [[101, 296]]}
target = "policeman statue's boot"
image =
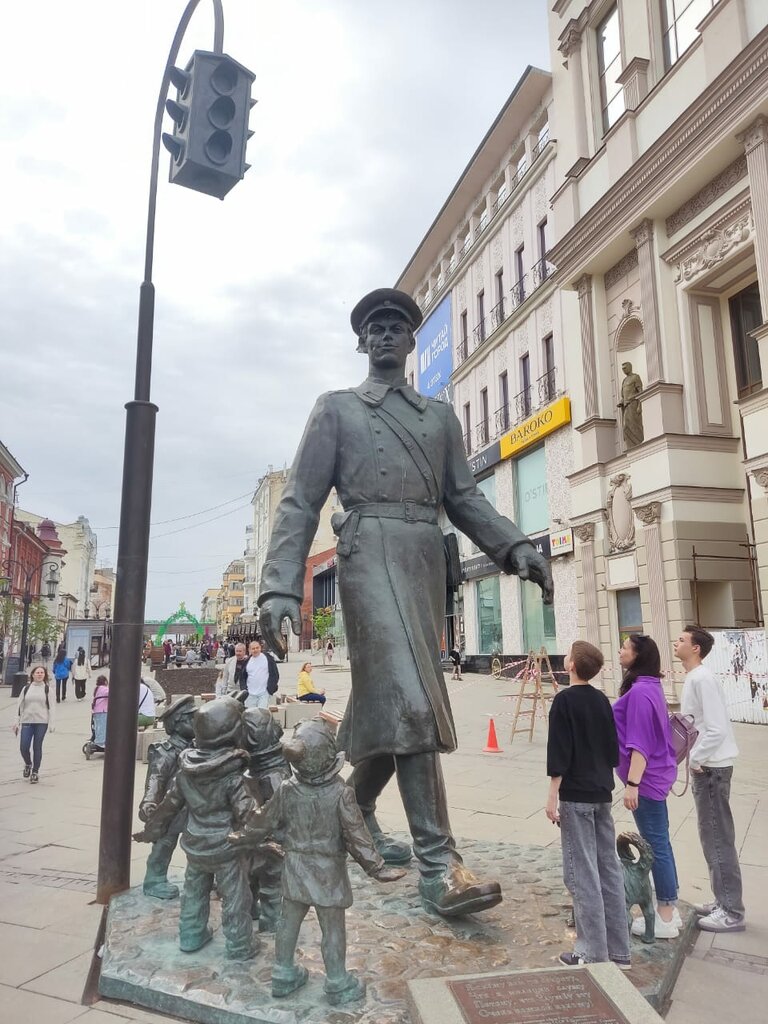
{"points": [[446, 887], [368, 780], [156, 877]]}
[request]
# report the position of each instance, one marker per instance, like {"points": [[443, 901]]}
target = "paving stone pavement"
{"points": [[49, 852]]}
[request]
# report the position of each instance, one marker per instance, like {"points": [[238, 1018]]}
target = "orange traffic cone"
{"points": [[492, 745]]}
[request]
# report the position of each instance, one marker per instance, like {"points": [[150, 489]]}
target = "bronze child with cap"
{"points": [[397, 461], [319, 821], [162, 765], [209, 786]]}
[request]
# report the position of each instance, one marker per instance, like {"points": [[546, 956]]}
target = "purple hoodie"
{"points": [[642, 724]]}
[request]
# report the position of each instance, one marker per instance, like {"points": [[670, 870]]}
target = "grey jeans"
{"points": [[593, 876], [711, 793]]}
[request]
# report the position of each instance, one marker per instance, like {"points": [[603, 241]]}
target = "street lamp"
{"points": [[210, 116], [27, 597]]}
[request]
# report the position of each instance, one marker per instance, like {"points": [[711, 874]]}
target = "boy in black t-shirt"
{"points": [[582, 751]]}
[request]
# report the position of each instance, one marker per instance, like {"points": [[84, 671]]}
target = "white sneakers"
{"points": [[663, 929], [721, 921]]}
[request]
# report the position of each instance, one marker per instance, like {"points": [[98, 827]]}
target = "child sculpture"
{"points": [[162, 765], [268, 768], [319, 822], [209, 784]]}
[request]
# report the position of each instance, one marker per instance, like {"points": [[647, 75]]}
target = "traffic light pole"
{"points": [[133, 548]]}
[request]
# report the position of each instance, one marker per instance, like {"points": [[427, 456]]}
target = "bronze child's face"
{"points": [[389, 340]]}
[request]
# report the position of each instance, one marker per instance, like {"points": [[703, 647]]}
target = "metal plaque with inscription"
{"points": [[535, 997]]}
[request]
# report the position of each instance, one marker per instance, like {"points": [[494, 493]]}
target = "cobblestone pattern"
{"points": [[391, 939]]}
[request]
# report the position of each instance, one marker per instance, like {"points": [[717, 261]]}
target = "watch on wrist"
{"points": [[634, 785]]}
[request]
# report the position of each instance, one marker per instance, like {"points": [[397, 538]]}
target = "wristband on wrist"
{"points": [[634, 785]]}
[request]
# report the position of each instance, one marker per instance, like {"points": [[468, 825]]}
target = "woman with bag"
{"points": [[34, 717], [81, 671], [648, 769]]}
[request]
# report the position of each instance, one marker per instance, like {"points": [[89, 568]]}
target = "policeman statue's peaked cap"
{"points": [[385, 299]]}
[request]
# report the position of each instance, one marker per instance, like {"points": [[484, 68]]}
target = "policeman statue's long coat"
{"points": [[391, 572]]}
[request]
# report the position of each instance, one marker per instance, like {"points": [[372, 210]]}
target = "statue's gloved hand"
{"points": [[272, 612], [146, 810], [528, 564], [142, 837]]}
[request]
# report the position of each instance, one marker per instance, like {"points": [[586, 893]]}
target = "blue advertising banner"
{"points": [[434, 350]]}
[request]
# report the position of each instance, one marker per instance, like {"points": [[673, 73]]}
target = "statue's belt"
{"points": [[345, 524]]}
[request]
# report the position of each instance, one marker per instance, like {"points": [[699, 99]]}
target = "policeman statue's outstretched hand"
{"points": [[528, 564], [272, 613]]}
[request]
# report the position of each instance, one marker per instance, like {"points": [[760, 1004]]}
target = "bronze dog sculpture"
{"points": [[637, 882]]}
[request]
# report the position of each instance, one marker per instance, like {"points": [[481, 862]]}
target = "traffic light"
{"points": [[210, 123]]}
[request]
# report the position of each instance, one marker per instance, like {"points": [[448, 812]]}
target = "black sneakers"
{"points": [[34, 777], [27, 771]]}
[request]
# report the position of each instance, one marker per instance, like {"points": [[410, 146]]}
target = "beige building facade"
{"points": [[79, 565], [661, 228], [492, 343]]}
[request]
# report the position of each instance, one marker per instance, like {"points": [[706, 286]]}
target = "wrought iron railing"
{"points": [[498, 315], [521, 403], [482, 432], [518, 292], [541, 271], [540, 146], [466, 247], [501, 419], [462, 352], [468, 443], [546, 386], [479, 333]]}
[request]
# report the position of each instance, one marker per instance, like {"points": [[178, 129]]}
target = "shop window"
{"points": [[746, 315], [609, 68], [487, 487], [532, 502], [629, 613], [488, 596], [538, 619]]}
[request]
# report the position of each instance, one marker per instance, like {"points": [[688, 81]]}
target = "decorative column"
{"points": [[585, 534], [650, 516], [586, 319], [755, 142], [643, 236], [570, 47]]}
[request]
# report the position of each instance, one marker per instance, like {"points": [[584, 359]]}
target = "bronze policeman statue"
{"points": [[396, 460]]}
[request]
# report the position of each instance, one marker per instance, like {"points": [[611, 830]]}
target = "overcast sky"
{"points": [[367, 113]]}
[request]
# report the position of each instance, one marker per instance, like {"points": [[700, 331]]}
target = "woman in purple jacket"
{"points": [[648, 769]]}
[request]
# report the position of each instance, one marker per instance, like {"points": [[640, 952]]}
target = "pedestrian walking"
{"points": [[455, 656], [233, 676], [329, 649], [648, 769], [147, 710], [307, 692], [45, 653], [34, 718], [262, 676], [62, 668], [81, 671], [711, 761], [582, 751]]}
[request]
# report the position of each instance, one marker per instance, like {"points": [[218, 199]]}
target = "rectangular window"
{"points": [[538, 619], [500, 285], [629, 613], [520, 263], [464, 342], [502, 423], [467, 429], [541, 231], [679, 21], [548, 383], [487, 487], [484, 416], [525, 386], [488, 615], [480, 329], [609, 68], [746, 315], [532, 502]]}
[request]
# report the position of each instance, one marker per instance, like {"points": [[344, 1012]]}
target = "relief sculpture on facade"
{"points": [[621, 523]]}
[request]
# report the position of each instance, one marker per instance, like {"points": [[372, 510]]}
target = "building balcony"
{"points": [[468, 443], [546, 387]]}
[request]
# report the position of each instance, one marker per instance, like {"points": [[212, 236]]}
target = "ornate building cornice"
{"points": [[615, 273], [755, 135], [714, 243], [711, 192]]}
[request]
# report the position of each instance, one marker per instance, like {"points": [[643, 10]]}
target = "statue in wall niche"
{"points": [[396, 460], [631, 411], [317, 818]]}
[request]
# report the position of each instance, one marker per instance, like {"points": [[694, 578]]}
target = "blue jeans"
{"points": [[258, 700], [593, 876], [652, 822], [32, 735], [312, 698], [712, 795]]}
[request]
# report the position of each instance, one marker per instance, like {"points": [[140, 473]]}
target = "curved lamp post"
{"points": [[225, 77], [27, 597]]}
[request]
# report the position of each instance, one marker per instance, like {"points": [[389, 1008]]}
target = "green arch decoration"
{"points": [[181, 614]]}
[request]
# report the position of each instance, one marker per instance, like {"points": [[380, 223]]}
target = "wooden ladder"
{"points": [[536, 675]]}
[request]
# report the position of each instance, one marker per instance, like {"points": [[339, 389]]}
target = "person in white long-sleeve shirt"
{"points": [[711, 759]]}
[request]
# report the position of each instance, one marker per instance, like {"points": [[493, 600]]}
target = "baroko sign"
{"points": [[532, 430]]}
